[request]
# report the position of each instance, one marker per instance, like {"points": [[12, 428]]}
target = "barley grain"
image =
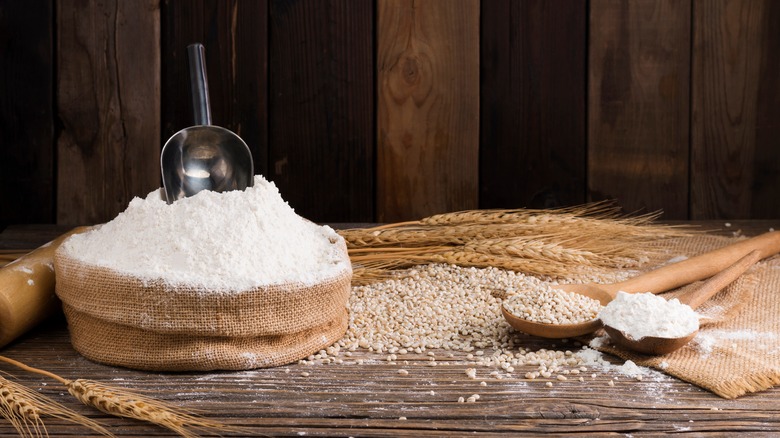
{"points": [[548, 305]]}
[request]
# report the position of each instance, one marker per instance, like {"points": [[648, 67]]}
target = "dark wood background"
{"points": [[385, 110]]}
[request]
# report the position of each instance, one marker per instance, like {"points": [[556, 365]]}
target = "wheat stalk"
{"points": [[600, 210], [550, 243], [19, 409], [123, 403], [24, 409]]}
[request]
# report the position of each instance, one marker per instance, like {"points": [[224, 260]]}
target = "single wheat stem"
{"points": [[122, 403]]}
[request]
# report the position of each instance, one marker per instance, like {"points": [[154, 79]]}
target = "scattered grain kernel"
{"points": [[561, 377], [305, 374], [402, 418], [482, 383], [611, 383], [461, 400], [403, 372], [548, 384]]}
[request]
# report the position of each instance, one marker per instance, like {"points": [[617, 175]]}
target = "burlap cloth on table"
{"points": [[738, 350], [126, 321]]}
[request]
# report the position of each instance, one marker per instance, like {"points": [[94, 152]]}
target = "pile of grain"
{"points": [[447, 307]]}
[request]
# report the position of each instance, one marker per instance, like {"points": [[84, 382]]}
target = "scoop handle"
{"points": [[199, 84], [720, 280], [699, 267]]}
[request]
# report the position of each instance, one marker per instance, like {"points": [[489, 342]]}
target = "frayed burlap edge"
{"points": [[131, 347]]}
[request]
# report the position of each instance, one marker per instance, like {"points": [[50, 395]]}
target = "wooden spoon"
{"points": [[662, 279], [656, 345]]}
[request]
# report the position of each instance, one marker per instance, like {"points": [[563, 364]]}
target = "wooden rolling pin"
{"points": [[27, 290]]}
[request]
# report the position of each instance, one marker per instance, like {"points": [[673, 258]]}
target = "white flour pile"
{"points": [[644, 314], [228, 241]]}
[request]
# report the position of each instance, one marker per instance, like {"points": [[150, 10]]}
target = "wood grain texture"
{"points": [[235, 36], [321, 115], [108, 82], [735, 158], [532, 109], [638, 104], [26, 112], [368, 398], [428, 107]]}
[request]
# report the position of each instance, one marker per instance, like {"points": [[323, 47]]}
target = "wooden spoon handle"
{"points": [[720, 280], [699, 267]]}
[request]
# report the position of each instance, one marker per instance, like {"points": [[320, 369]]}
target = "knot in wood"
{"points": [[568, 411], [410, 70]]}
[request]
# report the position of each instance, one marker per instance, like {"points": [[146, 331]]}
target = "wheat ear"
{"points": [[24, 409], [123, 403]]}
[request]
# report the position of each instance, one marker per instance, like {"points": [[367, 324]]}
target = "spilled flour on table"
{"points": [[595, 360]]}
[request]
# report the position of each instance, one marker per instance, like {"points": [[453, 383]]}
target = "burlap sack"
{"points": [[122, 320], [737, 349]]}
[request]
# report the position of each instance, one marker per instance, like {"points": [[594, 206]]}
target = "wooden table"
{"points": [[370, 399]]}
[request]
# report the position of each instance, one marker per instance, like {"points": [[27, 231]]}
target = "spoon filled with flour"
{"points": [[649, 324]]}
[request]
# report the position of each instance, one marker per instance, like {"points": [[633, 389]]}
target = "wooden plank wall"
{"points": [[389, 110]]}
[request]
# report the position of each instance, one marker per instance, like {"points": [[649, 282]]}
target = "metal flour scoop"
{"points": [[204, 157]]}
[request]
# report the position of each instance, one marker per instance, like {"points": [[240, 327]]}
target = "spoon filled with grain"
{"points": [[565, 311], [649, 324]]}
